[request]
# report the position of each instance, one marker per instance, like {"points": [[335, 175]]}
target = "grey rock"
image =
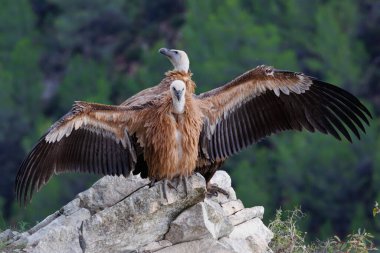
{"points": [[6, 235], [249, 244], [64, 240], [61, 234], [110, 190], [122, 214], [258, 244], [254, 228], [250, 236], [141, 218], [20, 240], [223, 180], [71, 207], [67, 210], [58, 231], [237, 245], [232, 206], [155, 246], [204, 220], [247, 214], [198, 246]]}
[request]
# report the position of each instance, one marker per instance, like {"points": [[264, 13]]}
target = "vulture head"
{"points": [[178, 90], [178, 58]]}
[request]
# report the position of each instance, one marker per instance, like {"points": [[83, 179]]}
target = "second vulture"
{"points": [[167, 131]]}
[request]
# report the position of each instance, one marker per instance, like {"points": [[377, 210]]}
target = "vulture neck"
{"points": [[179, 105], [178, 91]]}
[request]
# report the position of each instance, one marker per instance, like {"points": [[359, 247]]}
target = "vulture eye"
{"points": [[176, 52]]}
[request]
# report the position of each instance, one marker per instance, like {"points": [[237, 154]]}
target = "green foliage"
{"points": [[361, 241], [224, 40], [85, 80], [16, 21], [376, 209], [340, 58], [149, 74], [3, 224], [21, 87], [288, 238], [22, 226]]}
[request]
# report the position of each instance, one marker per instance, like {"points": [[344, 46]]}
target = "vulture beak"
{"points": [[178, 94], [178, 58], [165, 52]]}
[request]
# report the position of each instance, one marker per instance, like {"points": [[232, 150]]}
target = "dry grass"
{"points": [[288, 238]]}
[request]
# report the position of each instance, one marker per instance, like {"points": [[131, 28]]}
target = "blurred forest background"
{"points": [[53, 52]]}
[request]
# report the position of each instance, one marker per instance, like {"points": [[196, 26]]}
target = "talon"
{"points": [[166, 183], [184, 181], [152, 183], [214, 189], [172, 184], [169, 183]]}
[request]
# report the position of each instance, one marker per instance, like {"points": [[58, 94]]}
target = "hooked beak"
{"points": [[178, 94], [165, 52]]}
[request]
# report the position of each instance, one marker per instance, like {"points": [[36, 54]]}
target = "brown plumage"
{"points": [[157, 137], [167, 131]]}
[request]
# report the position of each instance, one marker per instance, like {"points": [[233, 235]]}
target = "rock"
{"points": [[141, 218], [254, 228], [64, 240], [20, 241], [232, 206], [109, 190], [203, 220], [198, 246], [6, 235], [247, 214], [126, 215], [250, 236], [255, 232], [155, 246], [223, 180], [236, 245], [60, 235]]}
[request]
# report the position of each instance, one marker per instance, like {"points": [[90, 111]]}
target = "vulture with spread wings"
{"points": [[167, 131]]}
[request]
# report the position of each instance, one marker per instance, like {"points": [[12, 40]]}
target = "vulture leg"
{"points": [[214, 189], [172, 184], [167, 183], [177, 181], [208, 172], [152, 182], [184, 181]]}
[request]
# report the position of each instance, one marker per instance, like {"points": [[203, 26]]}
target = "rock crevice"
{"points": [[120, 214]]}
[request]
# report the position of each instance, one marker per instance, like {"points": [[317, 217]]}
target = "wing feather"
{"points": [[90, 138], [265, 101]]}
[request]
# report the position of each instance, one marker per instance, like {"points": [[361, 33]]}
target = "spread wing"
{"points": [[90, 138], [265, 101]]}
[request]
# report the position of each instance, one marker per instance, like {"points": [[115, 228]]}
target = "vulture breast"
{"points": [[170, 140]]}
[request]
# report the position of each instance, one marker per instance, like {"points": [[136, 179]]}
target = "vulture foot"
{"points": [[178, 180], [167, 183], [214, 189], [173, 184]]}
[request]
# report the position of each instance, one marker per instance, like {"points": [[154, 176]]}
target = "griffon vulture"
{"points": [[167, 131]]}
